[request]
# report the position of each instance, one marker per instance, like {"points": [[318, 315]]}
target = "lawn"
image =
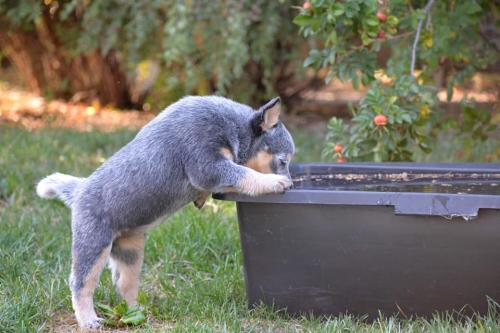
{"points": [[193, 269]]}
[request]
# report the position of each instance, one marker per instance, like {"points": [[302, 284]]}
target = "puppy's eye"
{"points": [[284, 162]]}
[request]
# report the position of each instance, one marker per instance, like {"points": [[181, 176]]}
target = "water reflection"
{"points": [[462, 184]]}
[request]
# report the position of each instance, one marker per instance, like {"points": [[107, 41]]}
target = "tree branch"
{"points": [[417, 37]]}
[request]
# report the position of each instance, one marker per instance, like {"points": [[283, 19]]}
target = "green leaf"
{"points": [[337, 9], [121, 308], [347, 21], [351, 108], [392, 99], [309, 61], [306, 31], [134, 308], [317, 3], [303, 20], [424, 148], [391, 144], [471, 7], [333, 37], [355, 82], [110, 322], [325, 153], [406, 118], [143, 298], [316, 24], [353, 5], [419, 14], [105, 308], [414, 89], [135, 318], [372, 21], [315, 54], [329, 77]]}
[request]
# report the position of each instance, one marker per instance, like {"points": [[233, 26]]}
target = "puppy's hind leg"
{"points": [[90, 252], [127, 255]]}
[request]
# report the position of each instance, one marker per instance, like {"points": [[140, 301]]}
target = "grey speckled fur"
{"points": [[197, 146]]}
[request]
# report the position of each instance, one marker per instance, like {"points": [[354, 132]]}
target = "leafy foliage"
{"points": [[219, 39], [433, 37], [225, 44], [122, 314]]}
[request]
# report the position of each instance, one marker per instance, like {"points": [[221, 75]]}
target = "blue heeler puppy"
{"points": [[195, 147]]}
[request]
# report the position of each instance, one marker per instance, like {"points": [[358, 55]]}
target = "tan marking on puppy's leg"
{"points": [[255, 183], [227, 154], [261, 162], [200, 202], [127, 255], [83, 302]]}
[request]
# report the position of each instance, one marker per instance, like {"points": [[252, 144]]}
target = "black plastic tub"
{"points": [[403, 238]]}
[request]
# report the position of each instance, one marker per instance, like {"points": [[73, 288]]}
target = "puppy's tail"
{"points": [[60, 186]]}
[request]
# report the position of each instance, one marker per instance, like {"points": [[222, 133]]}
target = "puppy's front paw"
{"points": [[93, 325], [90, 322], [279, 184], [255, 183]]}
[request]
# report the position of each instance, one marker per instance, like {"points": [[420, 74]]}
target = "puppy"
{"points": [[195, 147]]}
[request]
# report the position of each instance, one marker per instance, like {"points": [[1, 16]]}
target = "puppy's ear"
{"points": [[267, 117]]}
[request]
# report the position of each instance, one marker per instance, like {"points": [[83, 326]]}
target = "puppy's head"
{"points": [[272, 148]]}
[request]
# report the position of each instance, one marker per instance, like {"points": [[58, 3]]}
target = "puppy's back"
{"points": [[148, 178], [192, 111]]}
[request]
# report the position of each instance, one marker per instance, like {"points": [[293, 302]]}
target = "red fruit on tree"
{"points": [[381, 16], [338, 148], [340, 160], [307, 7], [380, 120], [381, 34]]}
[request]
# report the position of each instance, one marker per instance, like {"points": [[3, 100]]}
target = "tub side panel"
{"points": [[331, 259]]}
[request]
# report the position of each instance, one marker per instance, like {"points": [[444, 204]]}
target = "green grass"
{"points": [[193, 268]]}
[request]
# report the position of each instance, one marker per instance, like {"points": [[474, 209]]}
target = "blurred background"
{"points": [[66, 60]]}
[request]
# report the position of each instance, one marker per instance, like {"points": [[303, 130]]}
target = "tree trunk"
{"points": [[49, 69]]}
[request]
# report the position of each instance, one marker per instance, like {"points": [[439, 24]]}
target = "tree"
{"points": [[433, 43], [41, 41], [93, 49]]}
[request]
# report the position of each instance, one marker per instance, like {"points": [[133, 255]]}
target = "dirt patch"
{"points": [[30, 111], [63, 321]]}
